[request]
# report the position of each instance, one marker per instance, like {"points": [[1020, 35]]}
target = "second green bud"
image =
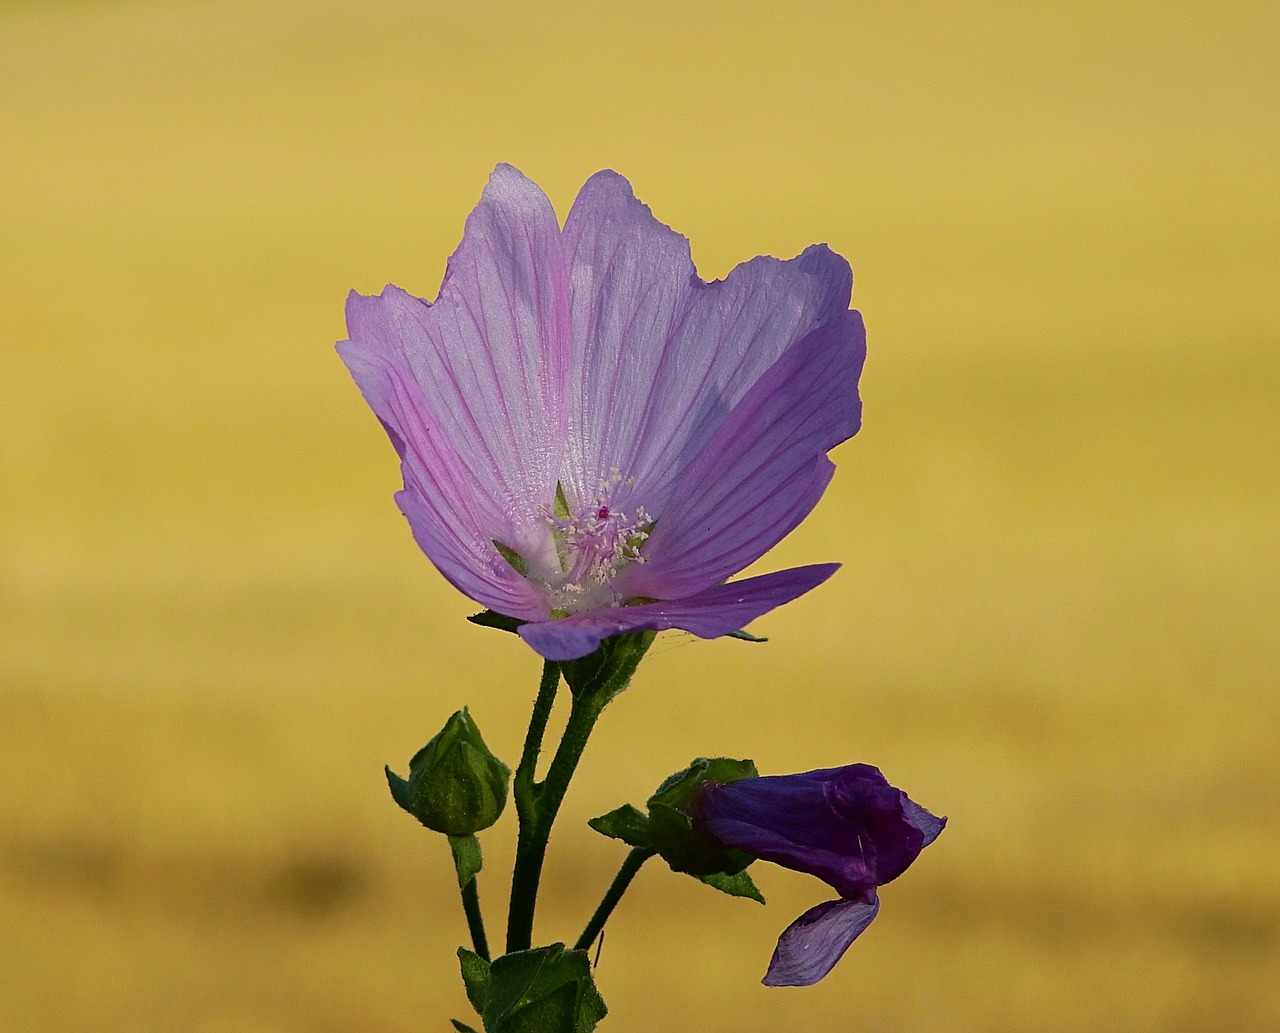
{"points": [[455, 784]]}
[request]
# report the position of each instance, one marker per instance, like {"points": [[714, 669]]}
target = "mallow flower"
{"points": [[848, 826], [593, 440]]}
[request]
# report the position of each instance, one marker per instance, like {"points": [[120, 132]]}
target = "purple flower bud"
{"points": [[848, 826]]}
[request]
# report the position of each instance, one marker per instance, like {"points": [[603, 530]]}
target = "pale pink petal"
{"points": [[811, 945], [489, 359], [762, 471], [451, 521], [662, 357], [708, 614]]}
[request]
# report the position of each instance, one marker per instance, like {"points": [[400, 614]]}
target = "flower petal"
{"points": [[441, 501], [811, 945], [489, 360], [476, 572], [709, 614], [762, 471], [848, 826], [929, 825], [662, 357], [787, 819]]}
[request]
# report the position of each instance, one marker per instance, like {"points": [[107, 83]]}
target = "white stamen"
{"points": [[593, 545]]}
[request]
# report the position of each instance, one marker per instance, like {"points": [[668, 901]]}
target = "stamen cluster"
{"points": [[593, 545]]}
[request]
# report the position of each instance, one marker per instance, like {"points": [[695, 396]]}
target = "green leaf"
{"points": [[492, 619], [545, 990], [626, 823], [462, 1027], [746, 636], [467, 859], [475, 977], [739, 885]]}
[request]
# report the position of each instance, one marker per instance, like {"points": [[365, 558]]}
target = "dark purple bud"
{"points": [[848, 826]]}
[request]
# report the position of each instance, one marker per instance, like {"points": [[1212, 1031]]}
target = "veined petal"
{"points": [[661, 357], [789, 821], [811, 945], [450, 517], [927, 824], [847, 825], [562, 404], [489, 359], [709, 614], [763, 469], [475, 572]]}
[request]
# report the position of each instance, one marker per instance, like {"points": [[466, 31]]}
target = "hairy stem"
{"points": [[467, 862], [526, 793], [475, 920], [632, 864], [535, 830]]}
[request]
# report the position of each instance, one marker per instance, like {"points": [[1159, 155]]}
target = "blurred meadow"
{"points": [[1057, 617]]}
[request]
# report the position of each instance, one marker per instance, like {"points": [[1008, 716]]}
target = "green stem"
{"points": [[467, 862], [531, 846], [525, 790], [475, 920], [632, 864], [526, 793], [594, 680]]}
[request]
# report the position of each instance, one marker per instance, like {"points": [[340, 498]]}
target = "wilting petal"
{"points": [[488, 361], [811, 945], [848, 825], [929, 825], [762, 471], [714, 612], [789, 820], [661, 357]]}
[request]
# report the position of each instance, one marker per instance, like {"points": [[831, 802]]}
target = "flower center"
{"points": [[592, 546], [585, 550]]}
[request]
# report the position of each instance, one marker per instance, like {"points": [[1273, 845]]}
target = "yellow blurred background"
{"points": [[1056, 620]]}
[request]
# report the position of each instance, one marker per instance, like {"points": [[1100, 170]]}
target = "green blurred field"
{"points": [[1057, 617]]}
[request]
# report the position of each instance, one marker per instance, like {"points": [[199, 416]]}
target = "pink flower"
{"points": [[592, 439]]}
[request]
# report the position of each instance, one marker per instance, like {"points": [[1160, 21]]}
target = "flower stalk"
{"points": [[467, 863], [594, 442], [631, 865], [593, 682]]}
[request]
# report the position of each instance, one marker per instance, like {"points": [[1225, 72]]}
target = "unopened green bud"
{"points": [[455, 785], [672, 832]]}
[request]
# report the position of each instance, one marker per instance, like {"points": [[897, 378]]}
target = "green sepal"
{"points": [[462, 1027], [683, 845], [545, 990], [467, 859], [511, 556], [737, 885], [602, 675], [560, 510], [493, 619], [400, 791], [626, 823], [475, 977], [746, 636]]}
